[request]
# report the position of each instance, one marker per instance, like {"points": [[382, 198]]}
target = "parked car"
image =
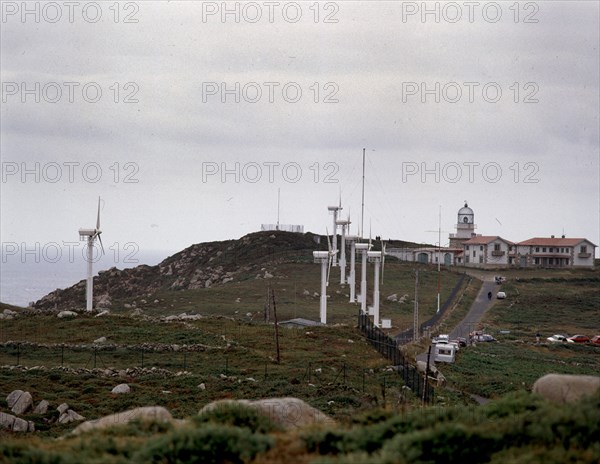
{"points": [[500, 295], [578, 339], [596, 340], [442, 338], [461, 341], [499, 279], [557, 338]]}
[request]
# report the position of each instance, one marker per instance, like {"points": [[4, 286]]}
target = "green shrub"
{"points": [[205, 445]]}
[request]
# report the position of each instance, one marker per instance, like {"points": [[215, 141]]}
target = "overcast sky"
{"points": [[494, 103]]}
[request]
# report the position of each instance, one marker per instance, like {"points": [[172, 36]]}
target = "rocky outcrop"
{"points": [[289, 413], [198, 266], [121, 388], [149, 413], [15, 424], [561, 388]]}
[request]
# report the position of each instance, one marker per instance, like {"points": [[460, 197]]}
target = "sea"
{"points": [[27, 277]]}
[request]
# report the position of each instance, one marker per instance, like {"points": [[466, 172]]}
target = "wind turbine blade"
{"points": [[328, 240], [101, 245], [329, 261], [98, 217]]}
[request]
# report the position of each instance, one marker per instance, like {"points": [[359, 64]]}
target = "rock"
{"points": [[63, 314], [561, 389], [226, 280], [202, 386], [62, 408], [69, 416], [20, 425], [42, 407], [8, 312], [19, 401], [290, 413], [127, 306], [392, 297], [121, 388], [100, 340], [268, 275], [316, 294], [6, 421], [148, 413], [137, 312], [155, 301], [106, 312]]}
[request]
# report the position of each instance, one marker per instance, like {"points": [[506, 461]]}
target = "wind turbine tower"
{"points": [[375, 257], [343, 223], [335, 210], [363, 248], [325, 258], [90, 235], [352, 275]]}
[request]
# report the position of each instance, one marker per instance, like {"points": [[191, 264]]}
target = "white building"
{"points": [[486, 251], [553, 252]]}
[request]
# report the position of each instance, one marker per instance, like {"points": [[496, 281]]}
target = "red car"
{"points": [[578, 339], [596, 340]]}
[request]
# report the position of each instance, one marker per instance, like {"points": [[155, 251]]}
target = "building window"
{"points": [[537, 260], [551, 250], [544, 250], [481, 258], [480, 247], [474, 253], [537, 249], [467, 247], [583, 249], [510, 261], [496, 247]]}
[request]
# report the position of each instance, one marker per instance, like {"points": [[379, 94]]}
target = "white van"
{"points": [[444, 352]]}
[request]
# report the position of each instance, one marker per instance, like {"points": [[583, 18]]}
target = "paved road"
{"points": [[478, 308], [469, 323]]}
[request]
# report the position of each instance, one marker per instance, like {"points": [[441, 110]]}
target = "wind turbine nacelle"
{"points": [[320, 255], [374, 256], [351, 238], [87, 232], [334, 208], [342, 222], [361, 246]]}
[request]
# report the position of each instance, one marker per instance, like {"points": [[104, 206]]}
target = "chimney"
{"points": [[552, 236], [563, 236]]}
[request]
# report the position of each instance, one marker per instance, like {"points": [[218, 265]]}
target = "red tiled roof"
{"points": [[485, 239], [552, 242]]}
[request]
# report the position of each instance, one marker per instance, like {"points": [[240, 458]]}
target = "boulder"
{"points": [[19, 401], [121, 388], [100, 340], [6, 421], [289, 413], [42, 407], [148, 413], [561, 388], [106, 312], [62, 408], [63, 314], [69, 416]]}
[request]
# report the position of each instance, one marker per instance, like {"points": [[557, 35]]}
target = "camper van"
{"points": [[444, 352]]}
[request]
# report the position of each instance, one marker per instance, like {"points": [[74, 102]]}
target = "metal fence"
{"points": [[390, 348]]}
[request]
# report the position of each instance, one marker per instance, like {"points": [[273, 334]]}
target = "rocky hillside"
{"points": [[199, 266]]}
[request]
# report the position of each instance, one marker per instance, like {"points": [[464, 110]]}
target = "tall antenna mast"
{"points": [[362, 214], [278, 201]]}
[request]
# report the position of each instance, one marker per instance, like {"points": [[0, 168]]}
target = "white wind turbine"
{"points": [[376, 257], [363, 248], [325, 258], [91, 235], [352, 275], [335, 210], [343, 223]]}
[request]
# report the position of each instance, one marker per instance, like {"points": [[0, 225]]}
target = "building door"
{"points": [[447, 259], [523, 261], [422, 258]]}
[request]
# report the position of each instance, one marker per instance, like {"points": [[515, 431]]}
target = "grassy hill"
{"points": [[232, 353]]}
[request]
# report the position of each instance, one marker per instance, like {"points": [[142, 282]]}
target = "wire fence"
{"points": [[133, 361], [390, 348]]}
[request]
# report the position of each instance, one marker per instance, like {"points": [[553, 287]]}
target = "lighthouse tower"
{"points": [[465, 227]]}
